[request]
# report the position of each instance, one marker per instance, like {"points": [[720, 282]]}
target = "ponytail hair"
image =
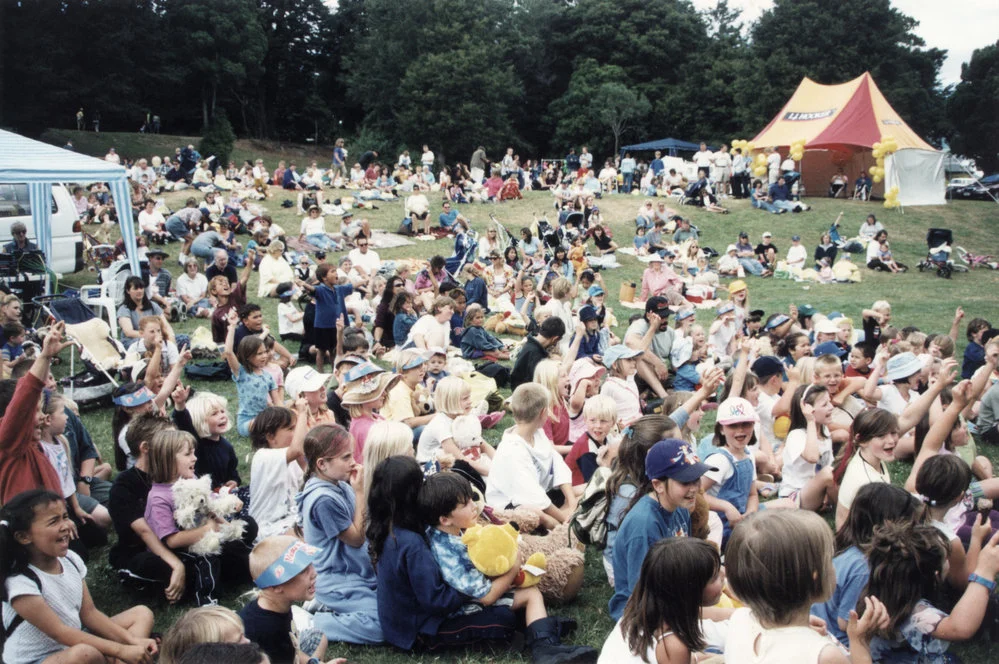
{"points": [[393, 502], [325, 440], [942, 479], [871, 423], [17, 517]]}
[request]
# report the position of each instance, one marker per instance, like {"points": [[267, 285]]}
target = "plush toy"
{"points": [[194, 502], [493, 551], [423, 403]]}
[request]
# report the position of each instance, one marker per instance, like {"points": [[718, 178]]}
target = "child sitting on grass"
{"points": [[478, 344], [593, 449], [282, 570], [526, 469], [447, 505]]}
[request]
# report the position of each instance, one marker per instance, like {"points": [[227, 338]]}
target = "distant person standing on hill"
{"points": [[339, 166], [478, 164], [97, 122], [79, 120]]}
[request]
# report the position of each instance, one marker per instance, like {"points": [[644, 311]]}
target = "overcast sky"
{"points": [[958, 27]]}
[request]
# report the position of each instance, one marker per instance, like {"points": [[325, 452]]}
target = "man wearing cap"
{"points": [[535, 349], [660, 279], [351, 229], [651, 335], [766, 251], [747, 256], [674, 478]]}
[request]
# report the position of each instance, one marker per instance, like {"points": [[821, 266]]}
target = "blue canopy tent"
{"points": [[40, 165], [668, 145]]}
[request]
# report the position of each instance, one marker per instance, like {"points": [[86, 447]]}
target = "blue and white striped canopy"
{"points": [[40, 165]]}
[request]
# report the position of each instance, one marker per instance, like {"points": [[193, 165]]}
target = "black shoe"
{"points": [[546, 645]]}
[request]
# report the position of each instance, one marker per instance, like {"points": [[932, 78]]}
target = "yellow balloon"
{"points": [[876, 146], [880, 162], [797, 156], [781, 426], [873, 170], [894, 190], [887, 203], [877, 178], [750, 146]]}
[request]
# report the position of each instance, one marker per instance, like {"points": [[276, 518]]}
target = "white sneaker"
{"points": [[182, 259]]}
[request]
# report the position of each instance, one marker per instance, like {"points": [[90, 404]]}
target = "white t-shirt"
{"points": [[873, 250], [616, 651], [273, 485], [427, 158], [721, 338], [435, 334], [781, 645], [797, 471], [195, 287], [312, 226], [523, 474], [703, 158], [57, 456], [796, 256], [369, 261], [285, 324], [63, 594], [858, 474], [765, 409], [724, 473], [892, 400], [436, 432], [151, 221]]}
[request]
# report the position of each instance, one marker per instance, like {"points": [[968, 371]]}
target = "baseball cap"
{"points": [[584, 369], [736, 410], [658, 304], [731, 247], [304, 379], [767, 366], [131, 398], [436, 350], [725, 308], [806, 310], [829, 348], [767, 234], [674, 459], [777, 321], [744, 234], [156, 253], [596, 290], [293, 561], [587, 313], [795, 238], [618, 352], [414, 362], [346, 213]]}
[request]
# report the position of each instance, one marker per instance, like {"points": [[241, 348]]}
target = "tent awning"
{"points": [[672, 145], [40, 165]]}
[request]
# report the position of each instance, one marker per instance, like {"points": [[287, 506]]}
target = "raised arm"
{"points": [[956, 324], [914, 411], [938, 432], [232, 318], [172, 378]]}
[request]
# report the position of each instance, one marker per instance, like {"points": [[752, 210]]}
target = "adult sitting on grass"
{"points": [[276, 275], [535, 349], [651, 335]]}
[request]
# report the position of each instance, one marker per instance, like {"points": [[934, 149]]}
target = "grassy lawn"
{"points": [[918, 299]]}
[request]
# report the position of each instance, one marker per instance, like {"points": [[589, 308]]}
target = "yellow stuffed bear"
{"points": [[493, 551]]}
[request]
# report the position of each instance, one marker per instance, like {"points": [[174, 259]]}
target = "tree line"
{"points": [[536, 74]]}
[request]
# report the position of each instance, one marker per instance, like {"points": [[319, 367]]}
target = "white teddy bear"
{"points": [[194, 502]]}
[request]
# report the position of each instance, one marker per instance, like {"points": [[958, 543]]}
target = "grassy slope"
{"points": [[136, 145], [918, 299]]}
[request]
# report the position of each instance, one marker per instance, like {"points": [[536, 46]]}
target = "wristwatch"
{"points": [[981, 580], [87, 479], [314, 660]]}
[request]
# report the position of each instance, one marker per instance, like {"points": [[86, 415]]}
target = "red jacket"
{"points": [[23, 464]]}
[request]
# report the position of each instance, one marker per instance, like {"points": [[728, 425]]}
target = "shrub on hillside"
{"points": [[218, 140]]}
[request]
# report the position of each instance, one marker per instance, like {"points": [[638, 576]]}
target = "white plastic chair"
{"points": [[96, 296]]}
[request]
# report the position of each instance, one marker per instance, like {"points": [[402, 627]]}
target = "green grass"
{"points": [[918, 299]]}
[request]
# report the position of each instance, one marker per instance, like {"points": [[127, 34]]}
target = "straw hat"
{"points": [[369, 389]]}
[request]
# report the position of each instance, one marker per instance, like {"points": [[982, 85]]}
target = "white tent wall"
{"points": [[919, 176]]}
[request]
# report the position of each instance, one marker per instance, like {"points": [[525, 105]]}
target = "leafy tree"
{"points": [[616, 105], [817, 39], [570, 113], [222, 42], [439, 110], [218, 139], [973, 109]]}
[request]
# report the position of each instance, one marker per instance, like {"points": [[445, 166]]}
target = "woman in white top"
{"points": [[432, 330], [275, 272], [192, 289]]}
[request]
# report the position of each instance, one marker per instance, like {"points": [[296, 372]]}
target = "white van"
{"points": [[67, 241]]}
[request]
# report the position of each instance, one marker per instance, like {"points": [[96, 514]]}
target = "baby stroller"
{"points": [[464, 253], [939, 242], [100, 352]]}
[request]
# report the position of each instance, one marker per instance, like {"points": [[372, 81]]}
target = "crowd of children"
{"points": [[351, 523]]}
